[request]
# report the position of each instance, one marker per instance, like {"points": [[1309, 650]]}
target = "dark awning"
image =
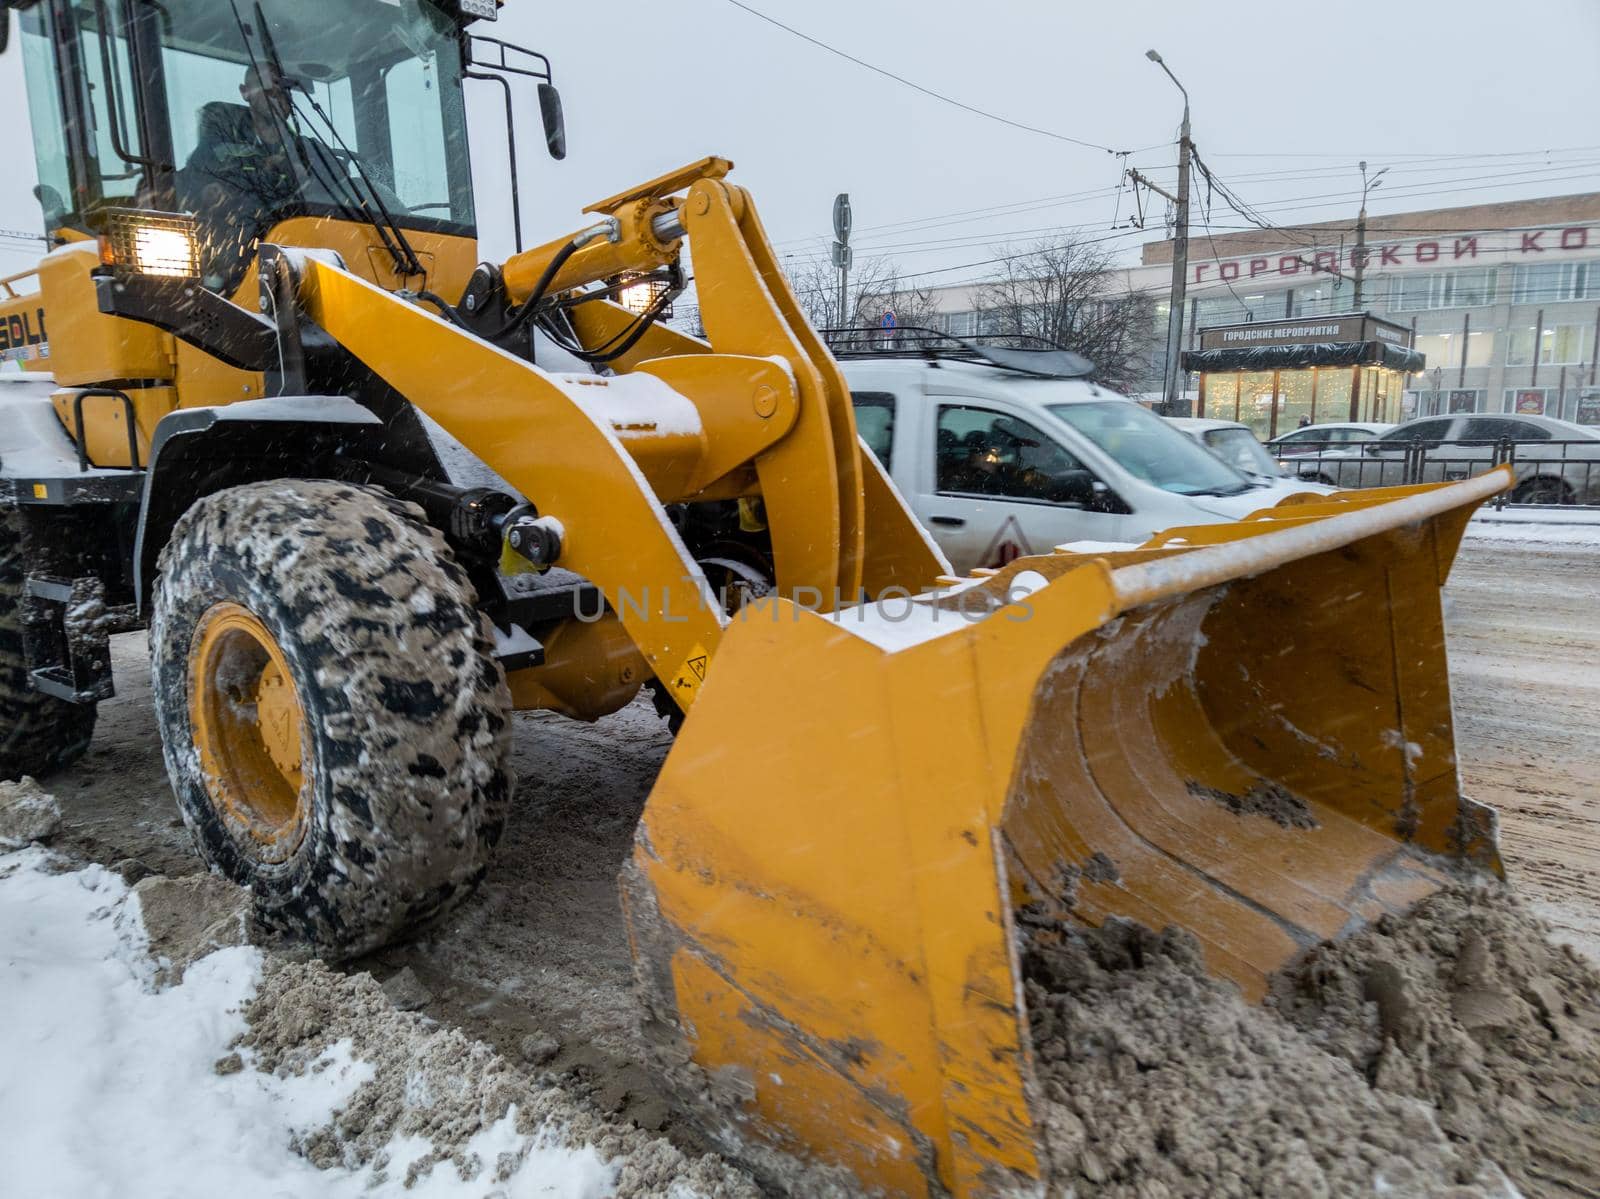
{"points": [[1327, 353]]}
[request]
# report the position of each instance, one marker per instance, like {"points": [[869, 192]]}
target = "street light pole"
{"points": [[842, 255], [1359, 264], [1172, 403]]}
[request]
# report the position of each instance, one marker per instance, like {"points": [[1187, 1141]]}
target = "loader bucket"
{"points": [[1243, 729]]}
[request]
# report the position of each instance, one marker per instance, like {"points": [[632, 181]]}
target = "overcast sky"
{"points": [[1286, 98]]}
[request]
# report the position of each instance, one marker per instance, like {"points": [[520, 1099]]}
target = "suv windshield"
{"points": [[1150, 449], [1240, 450]]}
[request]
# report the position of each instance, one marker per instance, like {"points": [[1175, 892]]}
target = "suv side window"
{"points": [[875, 422], [1496, 428], [983, 452]]}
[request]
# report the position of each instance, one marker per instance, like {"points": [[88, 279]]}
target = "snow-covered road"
{"points": [[1523, 619]]}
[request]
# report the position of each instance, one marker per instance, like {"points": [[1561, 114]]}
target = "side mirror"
{"points": [[53, 206], [555, 126]]}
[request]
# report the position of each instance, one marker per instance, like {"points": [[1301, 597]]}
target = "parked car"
{"points": [[1233, 442], [1557, 461], [1313, 439], [1017, 453]]}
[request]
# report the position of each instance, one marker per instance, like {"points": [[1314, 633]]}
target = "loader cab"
{"points": [[341, 119]]}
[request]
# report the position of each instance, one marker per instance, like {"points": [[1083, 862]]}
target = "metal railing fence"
{"points": [[1554, 474]]}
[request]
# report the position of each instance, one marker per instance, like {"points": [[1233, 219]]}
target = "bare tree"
{"points": [[1064, 291], [875, 288]]}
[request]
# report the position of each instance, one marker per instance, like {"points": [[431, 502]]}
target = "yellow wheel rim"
{"points": [[249, 731]]}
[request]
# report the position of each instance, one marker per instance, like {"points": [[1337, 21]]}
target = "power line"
{"points": [[966, 215], [1422, 190], [992, 261], [1296, 235], [1420, 187], [926, 91], [1371, 155]]}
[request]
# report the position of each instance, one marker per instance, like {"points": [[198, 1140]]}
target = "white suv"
{"points": [[1010, 455]]}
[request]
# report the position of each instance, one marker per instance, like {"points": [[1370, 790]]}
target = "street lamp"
{"points": [[1171, 403], [1359, 261], [1370, 185], [1156, 58]]}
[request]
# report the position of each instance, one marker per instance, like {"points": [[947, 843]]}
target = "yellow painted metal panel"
{"points": [[86, 346]]}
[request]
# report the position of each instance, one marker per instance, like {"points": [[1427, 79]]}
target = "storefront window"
{"points": [[1435, 400], [1333, 394], [1294, 399], [1255, 401], [1222, 396], [1366, 385], [1382, 393]]}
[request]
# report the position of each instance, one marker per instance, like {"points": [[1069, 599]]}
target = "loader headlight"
{"points": [[163, 244], [639, 298]]}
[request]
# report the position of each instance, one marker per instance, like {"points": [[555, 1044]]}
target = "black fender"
{"points": [[197, 451]]}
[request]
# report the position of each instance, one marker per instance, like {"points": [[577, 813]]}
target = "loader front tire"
{"points": [[334, 721], [39, 734]]}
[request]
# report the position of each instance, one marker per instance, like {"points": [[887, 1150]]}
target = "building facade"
{"points": [[1503, 300]]}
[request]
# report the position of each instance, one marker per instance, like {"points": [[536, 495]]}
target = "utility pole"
{"points": [[1358, 264], [1172, 401], [842, 253]]}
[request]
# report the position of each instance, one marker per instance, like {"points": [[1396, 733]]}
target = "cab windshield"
{"points": [[348, 108], [247, 112], [1150, 449]]}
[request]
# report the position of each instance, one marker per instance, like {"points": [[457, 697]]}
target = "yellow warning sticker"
{"points": [[690, 675], [41, 492]]}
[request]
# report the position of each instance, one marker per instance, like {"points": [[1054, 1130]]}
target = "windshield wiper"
{"points": [[406, 261]]}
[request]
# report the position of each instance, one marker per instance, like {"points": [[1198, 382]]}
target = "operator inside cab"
{"points": [[250, 164]]}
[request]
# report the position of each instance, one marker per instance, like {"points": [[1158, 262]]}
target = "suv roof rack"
{"points": [[1023, 353]]}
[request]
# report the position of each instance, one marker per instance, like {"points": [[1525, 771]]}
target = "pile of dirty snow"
{"points": [[1158, 1080], [1453, 1052], [1467, 1006], [27, 813], [434, 1100], [152, 1062]]}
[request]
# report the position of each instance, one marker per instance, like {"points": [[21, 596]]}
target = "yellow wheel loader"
{"points": [[370, 495]]}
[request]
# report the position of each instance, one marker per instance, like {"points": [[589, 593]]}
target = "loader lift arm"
{"points": [[768, 417]]}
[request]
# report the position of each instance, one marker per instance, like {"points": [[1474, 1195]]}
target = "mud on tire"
{"points": [[38, 733], [406, 710]]}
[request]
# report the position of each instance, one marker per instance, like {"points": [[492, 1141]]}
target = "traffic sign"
{"points": [[888, 321], [841, 216]]}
